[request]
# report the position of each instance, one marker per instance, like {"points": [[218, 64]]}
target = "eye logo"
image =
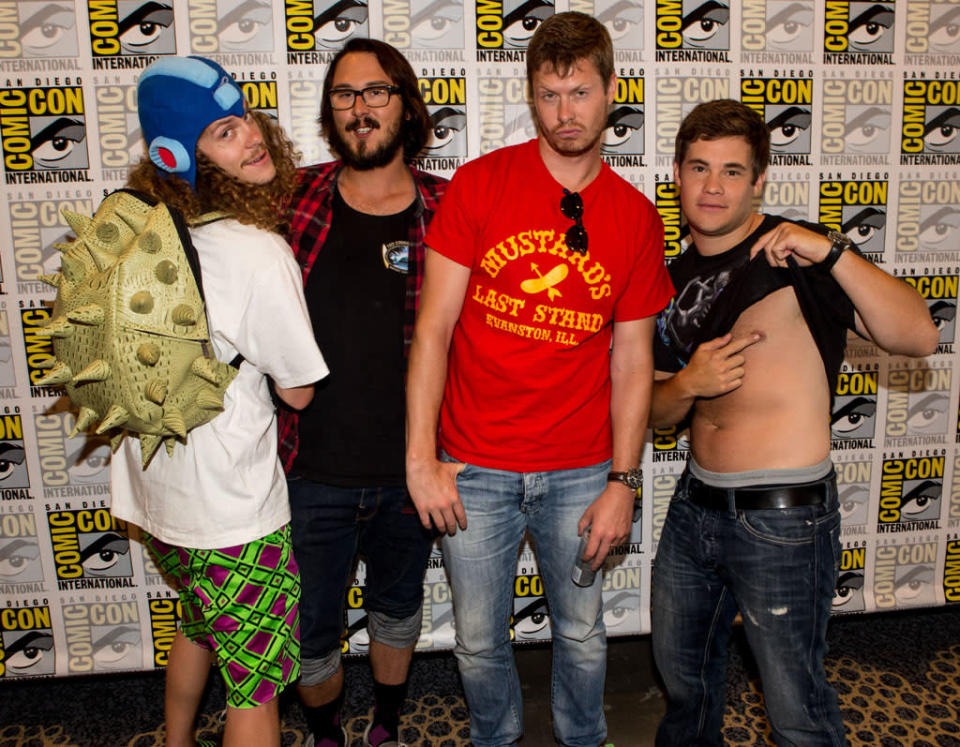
{"points": [[48, 28], [859, 28], [130, 27], [623, 20], [510, 25], [231, 26], [336, 23], [26, 642], [436, 24]]}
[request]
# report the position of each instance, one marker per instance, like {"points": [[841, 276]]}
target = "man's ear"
{"points": [[758, 185], [676, 173]]}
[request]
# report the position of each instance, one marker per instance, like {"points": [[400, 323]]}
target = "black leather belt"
{"points": [[782, 496]]}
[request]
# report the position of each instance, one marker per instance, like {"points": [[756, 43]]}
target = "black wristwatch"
{"points": [[839, 243], [633, 478]]}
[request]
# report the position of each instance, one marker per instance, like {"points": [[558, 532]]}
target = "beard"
{"points": [[365, 158]]}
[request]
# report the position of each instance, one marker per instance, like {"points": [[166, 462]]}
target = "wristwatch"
{"points": [[839, 243], [633, 478]]}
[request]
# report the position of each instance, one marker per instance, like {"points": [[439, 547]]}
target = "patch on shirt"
{"points": [[396, 256]]}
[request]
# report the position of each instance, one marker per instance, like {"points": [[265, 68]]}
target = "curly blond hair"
{"points": [[257, 205]]}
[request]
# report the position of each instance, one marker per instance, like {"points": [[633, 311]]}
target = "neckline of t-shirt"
{"points": [[587, 192], [748, 241], [339, 203]]}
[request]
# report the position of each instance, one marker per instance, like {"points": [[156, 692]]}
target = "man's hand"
{"points": [[433, 487], [609, 517], [806, 246], [716, 366]]}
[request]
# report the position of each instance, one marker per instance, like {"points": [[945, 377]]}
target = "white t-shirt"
{"points": [[226, 487]]}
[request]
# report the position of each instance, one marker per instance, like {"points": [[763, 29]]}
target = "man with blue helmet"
{"points": [[215, 514]]}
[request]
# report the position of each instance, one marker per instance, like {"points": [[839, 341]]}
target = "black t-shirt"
{"points": [[352, 433], [713, 291]]}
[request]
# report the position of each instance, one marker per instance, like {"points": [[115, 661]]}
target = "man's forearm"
{"points": [[426, 378], [670, 402]]}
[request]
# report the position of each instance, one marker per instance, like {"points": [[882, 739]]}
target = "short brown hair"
{"points": [[725, 118], [417, 125], [257, 205], [565, 38]]}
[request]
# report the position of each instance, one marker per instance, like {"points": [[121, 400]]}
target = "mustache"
{"points": [[364, 121]]}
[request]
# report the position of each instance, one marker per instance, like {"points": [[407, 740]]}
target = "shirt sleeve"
{"points": [[275, 334]]}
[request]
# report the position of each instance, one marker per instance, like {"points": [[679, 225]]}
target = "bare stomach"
{"points": [[780, 417]]}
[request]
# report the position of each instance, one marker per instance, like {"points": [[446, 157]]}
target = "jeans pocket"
{"points": [[784, 526]]}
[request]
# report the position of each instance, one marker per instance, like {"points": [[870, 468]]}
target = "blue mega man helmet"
{"points": [[177, 98]]}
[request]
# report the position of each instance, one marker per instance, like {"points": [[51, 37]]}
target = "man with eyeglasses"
{"points": [[539, 257], [357, 227]]}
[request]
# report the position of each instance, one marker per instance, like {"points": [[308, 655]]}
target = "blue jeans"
{"points": [[330, 527], [481, 563], [779, 568]]}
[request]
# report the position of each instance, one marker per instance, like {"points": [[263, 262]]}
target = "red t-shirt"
{"points": [[528, 383]]}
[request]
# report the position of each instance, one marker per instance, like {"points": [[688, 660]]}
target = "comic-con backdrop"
{"points": [[863, 103]]}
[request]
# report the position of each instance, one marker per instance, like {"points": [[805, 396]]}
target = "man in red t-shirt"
{"points": [[531, 369]]}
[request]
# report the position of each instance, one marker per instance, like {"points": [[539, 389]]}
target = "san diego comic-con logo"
{"points": [[423, 24], [8, 372], [853, 494], [928, 218], [44, 132], [503, 29], [90, 547], [13, 462], [623, 20], [33, 29], [930, 134], [313, 26], [662, 487], [910, 493], [531, 614], [692, 31], [917, 404], [26, 641], [858, 33], [787, 193], [856, 121], [71, 464], [36, 225], [128, 34], [446, 100], [951, 570], [786, 105], [230, 26], [854, 415], [903, 574], [939, 290], [622, 144], [504, 110], [676, 95], [676, 233], [775, 31], [857, 207], [165, 613], [21, 571], [437, 629], [121, 142], [848, 596], [102, 635], [356, 637], [953, 507], [38, 349], [932, 33]]}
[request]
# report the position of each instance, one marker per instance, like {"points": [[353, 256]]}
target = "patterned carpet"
{"points": [[898, 676]]}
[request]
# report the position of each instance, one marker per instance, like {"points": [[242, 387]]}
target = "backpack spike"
{"points": [[85, 419], [170, 444], [115, 441], [102, 258], [136, 221], [62, 246], [90, 313], [53, 279], [183, 315], [148, 354], [173, 419], [77, 222], [98, 370], [148, 446], [59, 374], [155, 391], [206, 369], [72, 269], [115, 416], [59, 326], [208, 399], [45, 363]]}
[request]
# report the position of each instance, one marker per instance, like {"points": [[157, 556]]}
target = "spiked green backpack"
{"points": [[129, 328]]}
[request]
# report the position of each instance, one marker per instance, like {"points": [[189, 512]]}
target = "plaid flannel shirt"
{"points": [[311, 213]]}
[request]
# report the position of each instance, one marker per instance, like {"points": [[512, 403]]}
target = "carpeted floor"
{"points": [[898, 676]]}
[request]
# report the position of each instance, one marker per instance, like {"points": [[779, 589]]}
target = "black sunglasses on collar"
{"points": [[571, 205]]}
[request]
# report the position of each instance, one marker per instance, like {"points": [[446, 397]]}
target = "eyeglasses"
{"points": [[572, 207], [373, 96]]}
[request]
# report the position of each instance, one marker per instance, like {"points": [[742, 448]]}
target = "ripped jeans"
{"points": [[778, 568]]}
